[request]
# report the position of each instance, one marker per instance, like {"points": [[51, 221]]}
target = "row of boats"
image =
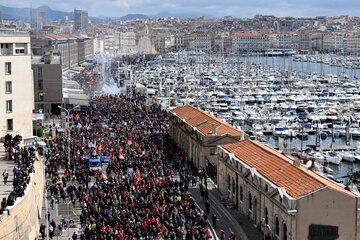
{"points": [[347, 61], [262, 99], [334, 157]]}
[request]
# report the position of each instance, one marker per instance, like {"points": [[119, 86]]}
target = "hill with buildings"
{"points": [[24, 13]]}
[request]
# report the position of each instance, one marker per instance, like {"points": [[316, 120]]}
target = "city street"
{"points": [[229, 220]]}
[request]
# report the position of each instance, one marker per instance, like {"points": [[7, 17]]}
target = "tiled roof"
{"points": [[276, 167], [204, 121]]}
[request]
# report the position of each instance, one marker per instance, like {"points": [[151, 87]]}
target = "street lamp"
{"points": [[68, 129]]}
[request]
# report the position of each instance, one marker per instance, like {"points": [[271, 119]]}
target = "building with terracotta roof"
{"points": [[199, 133], [283, 198]]}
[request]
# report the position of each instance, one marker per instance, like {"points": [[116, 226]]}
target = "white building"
{"points": [[17, 90], [333, 43], [249, 42], [127, 42], [98, 45]]}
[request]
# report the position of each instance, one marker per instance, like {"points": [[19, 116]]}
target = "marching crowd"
{"points": [[143, 193]]}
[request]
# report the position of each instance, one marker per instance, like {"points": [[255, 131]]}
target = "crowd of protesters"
{"points": [[143, 193], [24, 165]]}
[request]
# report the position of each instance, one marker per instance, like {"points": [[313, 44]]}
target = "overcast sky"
{"points": [[216, 8]]}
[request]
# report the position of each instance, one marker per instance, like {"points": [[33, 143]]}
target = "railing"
{"points": [[10, 33], [6, 52]]}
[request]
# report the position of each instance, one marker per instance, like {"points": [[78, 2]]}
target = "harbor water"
{"points": [[287, 64]]}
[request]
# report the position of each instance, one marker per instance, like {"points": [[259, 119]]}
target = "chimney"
{"points": [[213, 129]]}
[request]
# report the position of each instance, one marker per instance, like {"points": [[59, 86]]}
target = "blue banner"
{"points": [[347, 132], [317, 144]]}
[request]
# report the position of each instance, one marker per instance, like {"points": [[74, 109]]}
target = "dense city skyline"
{"points": [[245, 8]]}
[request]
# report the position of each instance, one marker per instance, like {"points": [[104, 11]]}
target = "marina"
{"points": [[294, 106]]}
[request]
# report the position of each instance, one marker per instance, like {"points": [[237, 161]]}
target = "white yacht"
{"points": [[347, 156], [333, 157]]}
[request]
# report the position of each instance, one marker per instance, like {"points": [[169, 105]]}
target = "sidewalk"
{"points": [[5, 189], [228, 219], [60, 211]]}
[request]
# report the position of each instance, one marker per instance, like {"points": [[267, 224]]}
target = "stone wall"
{"points": [[23, 221]]}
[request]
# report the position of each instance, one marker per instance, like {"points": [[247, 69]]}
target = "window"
{"points": [[10, 126], [212, 151], [8, 68], [250, 201], [41, 97], [241, 193], [266, 187], [284, 237], [20, 48], [228, 182], [40, 84], [266, 216], [277, 227], [39, 72], [8, 87], [9, 106], [233, 186]]}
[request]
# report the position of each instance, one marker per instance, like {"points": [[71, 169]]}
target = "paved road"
{"points": [[62, 210], [228, 219]]}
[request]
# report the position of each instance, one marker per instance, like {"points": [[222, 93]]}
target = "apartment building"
{"points": [[37, 19], [198, 133], [48, 92], [81, 19], [283, 198], [288, 41], [245, 42], [127, 41], [201, 41], [352, 44], [333, 43], [17, 99], [73, 49]]}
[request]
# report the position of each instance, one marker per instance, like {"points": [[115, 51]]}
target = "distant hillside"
{"points": [[24, 13], [133, 16]]}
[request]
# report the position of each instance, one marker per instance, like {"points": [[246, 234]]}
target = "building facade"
{"points": [[283, 198], [333, 43], [73, 49], [199, 133], [48, 92], [37, 19], [245, 42], [81, 19], [17, 102], [127, 41]]}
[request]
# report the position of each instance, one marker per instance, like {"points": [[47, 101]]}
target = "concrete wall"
{"points": [[23, 221], [327, 207]]}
